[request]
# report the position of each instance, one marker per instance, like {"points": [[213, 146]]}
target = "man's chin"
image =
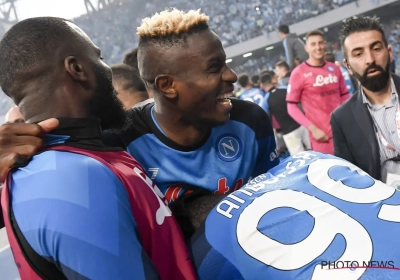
{"points": [[376, 84]]}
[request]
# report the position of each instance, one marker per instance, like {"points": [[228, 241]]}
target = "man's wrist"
{"points": [[311, 127]]}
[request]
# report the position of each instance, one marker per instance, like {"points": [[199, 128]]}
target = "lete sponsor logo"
{"points": [[321, 80]]}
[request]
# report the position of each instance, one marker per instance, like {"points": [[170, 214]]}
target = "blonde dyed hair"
{"points": [[171, 22]]}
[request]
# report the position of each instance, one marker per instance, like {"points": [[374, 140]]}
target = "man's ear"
{"points": [[75, 69], [165, 84], [345, 62]]}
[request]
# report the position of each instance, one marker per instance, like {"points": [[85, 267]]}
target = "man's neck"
{"points": [[268, 87], [248, 87], [179, 130], [381, 97], [315, 62]]}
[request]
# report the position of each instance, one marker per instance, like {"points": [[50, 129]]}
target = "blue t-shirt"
{"points": [[305, 219], [225, 160], [75, 212], [254, 95]]}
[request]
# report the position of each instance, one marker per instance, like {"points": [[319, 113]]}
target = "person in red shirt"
{"points": [[320, 88]]}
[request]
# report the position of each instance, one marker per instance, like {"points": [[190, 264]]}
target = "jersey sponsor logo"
{"points": [[172, 192], [289, 87], [223, 188], [321, 80], [331, 69], [306, 75], [329, 92], [154, 172], [229, 147], [162, 212]]}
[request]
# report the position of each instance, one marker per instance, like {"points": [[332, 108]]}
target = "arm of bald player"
{"points": [[19, 141]]}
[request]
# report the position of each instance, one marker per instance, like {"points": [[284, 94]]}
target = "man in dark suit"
{"points": [[366, 129]]}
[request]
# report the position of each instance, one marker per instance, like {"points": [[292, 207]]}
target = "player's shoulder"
{"points": [[251, 115], [297, 168], [62, 169], [299, 72]]}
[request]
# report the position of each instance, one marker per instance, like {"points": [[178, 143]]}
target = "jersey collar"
{"points": [[84, 133]]}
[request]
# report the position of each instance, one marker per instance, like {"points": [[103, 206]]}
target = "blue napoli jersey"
{"points": [[264, 103], [305, 219], [225, 160], [254, 95], [75, 212], [347, 79]]}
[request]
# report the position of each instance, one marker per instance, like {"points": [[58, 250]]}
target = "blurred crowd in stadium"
{"points": [[233, 20]]}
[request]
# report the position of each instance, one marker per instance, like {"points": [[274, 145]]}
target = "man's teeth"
{"points": [[225, 96]]}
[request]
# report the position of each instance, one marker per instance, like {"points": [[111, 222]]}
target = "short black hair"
{"points": [[330, 57], [283, 29], [255, 79], [131, 59], [266, 71], [191, 209], [315, 33], [283, 64], [266, 78], [27, 49], [129, 77], [360, 24], [243, 80]]}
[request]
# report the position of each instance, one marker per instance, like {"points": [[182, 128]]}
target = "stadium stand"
{"points": [[234, 21]]}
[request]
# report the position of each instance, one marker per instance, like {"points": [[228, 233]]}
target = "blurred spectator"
{"points": [[294, 46], [235, 21], [345, 73], [250, 92], [131, 59], [128, 85], [255, 79], [282, 70]]}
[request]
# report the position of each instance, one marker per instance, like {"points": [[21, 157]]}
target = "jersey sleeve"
{"points": [[267, 157], [75, 212], [295, 87]]}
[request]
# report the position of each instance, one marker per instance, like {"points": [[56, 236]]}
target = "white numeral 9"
{"points": [[329, 221]]}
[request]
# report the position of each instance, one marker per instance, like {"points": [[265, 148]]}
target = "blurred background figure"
{"points": [[129, 86], [14, 116], [282, 71], [294, 46], [348, 80]]}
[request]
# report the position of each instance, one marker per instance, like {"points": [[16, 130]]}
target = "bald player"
{"points": [[14, 116], [128, 85]]}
